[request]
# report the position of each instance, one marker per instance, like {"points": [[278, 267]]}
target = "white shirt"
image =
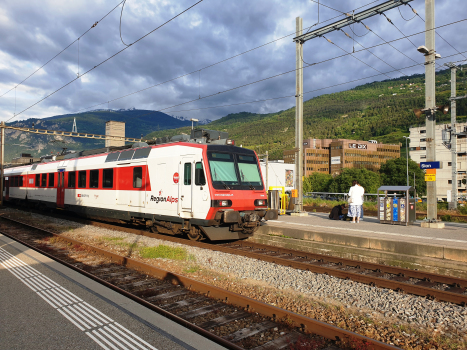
{"points": [[356, 193]]}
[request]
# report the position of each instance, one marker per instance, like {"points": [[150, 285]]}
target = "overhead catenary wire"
{"points": [[58, 54], [417, 14], [242, 53], [274, 76], [109, 58]]}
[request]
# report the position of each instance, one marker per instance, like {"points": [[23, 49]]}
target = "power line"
{"points": [[109, 58], [58, 54], [351, 53], [274, 76], [416, 13]]}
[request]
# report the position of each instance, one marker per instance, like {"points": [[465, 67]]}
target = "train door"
{"points": [[140, 179], [7, 188], [186, 183], [61, 189]]}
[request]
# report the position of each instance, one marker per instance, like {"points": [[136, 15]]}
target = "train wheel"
{"points": [[195, 234]]}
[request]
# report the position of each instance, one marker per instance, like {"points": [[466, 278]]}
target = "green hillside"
{"points": [[380, 111]]}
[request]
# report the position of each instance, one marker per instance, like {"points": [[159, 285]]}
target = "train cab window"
{"points": [[137, 177], [51, 180], [44, 180], [82, 179], [187, 174], [94, 178], [72, 179], [108, 178], [200, 180], [38, 180]]}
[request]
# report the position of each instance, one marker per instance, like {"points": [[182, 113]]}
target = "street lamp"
{"points": [[407, 157], [193, 120]]}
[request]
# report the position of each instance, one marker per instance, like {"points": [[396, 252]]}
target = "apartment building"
{"points": [[417, 153]]}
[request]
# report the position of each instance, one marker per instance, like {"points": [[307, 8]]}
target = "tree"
{"points": [[317, 182], [394, 173], [370, 180]]}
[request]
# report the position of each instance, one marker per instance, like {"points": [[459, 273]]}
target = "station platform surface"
{"points": [[45, 305], [410, 246]]}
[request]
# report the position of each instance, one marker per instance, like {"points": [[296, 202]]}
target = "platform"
{"points": [[435, 250], [45, 305]]}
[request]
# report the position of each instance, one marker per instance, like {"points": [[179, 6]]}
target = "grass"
{"points": [[165, 252]]}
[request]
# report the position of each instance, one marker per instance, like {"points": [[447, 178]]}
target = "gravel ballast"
{"points": [[378, 305]]}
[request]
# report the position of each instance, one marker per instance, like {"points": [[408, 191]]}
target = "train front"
{"points": [[238, 197]]}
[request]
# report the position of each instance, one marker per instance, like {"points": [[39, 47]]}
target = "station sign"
{"points": [[358, 145], [430, 177], [431, 165]]}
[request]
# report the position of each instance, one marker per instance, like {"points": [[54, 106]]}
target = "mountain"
{"points": [[380, 111], [137, 123]]}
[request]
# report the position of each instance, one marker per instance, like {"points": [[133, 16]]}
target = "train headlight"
{"points": [[222, 203], [261, 202]]}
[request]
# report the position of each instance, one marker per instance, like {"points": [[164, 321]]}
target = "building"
{"points": [[280, 174], [331, 156], [24, 158], [114, 128], [443, 154]]}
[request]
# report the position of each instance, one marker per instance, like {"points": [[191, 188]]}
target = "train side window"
{"points": [[51, 180], [137, 177], [21, 181], [108, 178], [38, 180], [82, 179], [72, 179], [94, 178], [200, 180], [44, 180], [187, 174]]}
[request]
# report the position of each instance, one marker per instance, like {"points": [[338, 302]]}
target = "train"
{"points": [[199, 185]]}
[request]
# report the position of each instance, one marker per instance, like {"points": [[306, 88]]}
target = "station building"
{"points": [[417, 153], [331, 156]]}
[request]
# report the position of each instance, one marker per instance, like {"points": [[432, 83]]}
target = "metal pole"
{"points": [[407, 158], [267, 170], [299, 117], [1, 162], [430, 103], [453, 138]]}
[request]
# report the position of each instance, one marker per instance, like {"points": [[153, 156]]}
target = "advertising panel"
{"points": [[289, 178], [335, 160]]}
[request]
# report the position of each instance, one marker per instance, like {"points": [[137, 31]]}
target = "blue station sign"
{"points": [[430, 165]]}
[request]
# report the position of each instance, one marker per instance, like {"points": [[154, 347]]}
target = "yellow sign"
{"points": [[430, 177], [294, 193]]}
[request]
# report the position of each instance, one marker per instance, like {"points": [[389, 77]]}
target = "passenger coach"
{"points": [[194, 187]]}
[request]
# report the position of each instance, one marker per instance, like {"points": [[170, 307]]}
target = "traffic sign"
{"points": [[431, 165], [430, 177]]}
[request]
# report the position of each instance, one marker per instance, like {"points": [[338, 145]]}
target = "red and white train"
{"points": [[199, 189]]}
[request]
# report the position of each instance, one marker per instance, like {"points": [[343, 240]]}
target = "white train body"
{"points": [[199, 189]]}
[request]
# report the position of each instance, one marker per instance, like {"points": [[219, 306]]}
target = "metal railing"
{"points": [[367, 197]]}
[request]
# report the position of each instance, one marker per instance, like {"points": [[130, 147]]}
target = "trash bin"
{"points": [[397, 206]]}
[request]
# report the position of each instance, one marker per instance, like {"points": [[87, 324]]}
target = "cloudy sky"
{"points": [[180, 65]]}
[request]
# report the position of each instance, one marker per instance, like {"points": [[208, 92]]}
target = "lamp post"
{"points": [[407, 157]]}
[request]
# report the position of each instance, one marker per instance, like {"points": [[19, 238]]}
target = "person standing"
{"points": [[356, 193]]}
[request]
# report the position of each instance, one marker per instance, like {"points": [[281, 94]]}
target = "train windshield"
{"points": [[234, 171]]}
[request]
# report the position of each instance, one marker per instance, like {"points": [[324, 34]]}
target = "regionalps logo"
{"points": [[168, 199]]}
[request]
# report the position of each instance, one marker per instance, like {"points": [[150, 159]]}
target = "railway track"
{"points": [[425, 284], [232, 320]]}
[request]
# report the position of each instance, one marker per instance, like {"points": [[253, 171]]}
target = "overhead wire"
{"points": [[271, 77], [352, 54], [58, 54], [290, 96], [121, 14], [372, 52], [107, 59], [417, 14]]}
